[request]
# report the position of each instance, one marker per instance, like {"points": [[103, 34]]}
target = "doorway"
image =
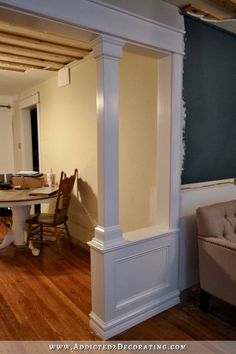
{"points": [[34, 138], [35, 146], [30, 136], [30, 133]]}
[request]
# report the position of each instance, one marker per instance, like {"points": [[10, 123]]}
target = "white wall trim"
{"points": [[151, 265], [29, 101], [103, 19], [107, 52], [163, 141], [143, 18], [176, 138], [111, 328], [136, 237], [218, 183]]}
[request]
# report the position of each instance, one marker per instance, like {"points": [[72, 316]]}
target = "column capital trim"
{"points": [[107, 47]]}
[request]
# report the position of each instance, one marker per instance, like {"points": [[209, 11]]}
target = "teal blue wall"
{"points": [[210, 98]]}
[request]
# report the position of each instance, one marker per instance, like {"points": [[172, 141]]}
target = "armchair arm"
{"points": [[217, 264], [219, 242]]}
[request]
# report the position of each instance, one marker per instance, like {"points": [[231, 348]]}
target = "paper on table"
{"points": [[27, 172], [44, 191]]}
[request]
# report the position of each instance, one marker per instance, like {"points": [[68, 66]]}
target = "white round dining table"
{"points": [[20, 202]]}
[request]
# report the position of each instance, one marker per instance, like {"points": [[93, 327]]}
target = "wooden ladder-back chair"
{"points": [[60, 215]]}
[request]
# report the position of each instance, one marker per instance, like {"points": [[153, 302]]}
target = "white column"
{"points": [[163, 142], [176, 138], [107, 52]]}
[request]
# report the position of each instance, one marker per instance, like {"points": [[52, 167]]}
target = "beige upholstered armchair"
{"points": [[217, 252]]}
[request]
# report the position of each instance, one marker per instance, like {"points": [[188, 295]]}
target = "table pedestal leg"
{"points": [[20, 215]]}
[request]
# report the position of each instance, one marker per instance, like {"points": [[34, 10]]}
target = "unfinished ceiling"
{"points": [[23, 48], [33, 49], [218, 12]]}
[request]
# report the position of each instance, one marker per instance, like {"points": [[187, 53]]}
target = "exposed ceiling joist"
{"points": [[217, 11], [38, 44], [202, 11], [32, 53], [8, 65], [226, 3], [26, 60], [211, 10], [12, 69], [44, 36], [23, 48]]}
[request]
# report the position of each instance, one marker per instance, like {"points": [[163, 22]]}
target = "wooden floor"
{"points": [[48, 298], [45, 297]]}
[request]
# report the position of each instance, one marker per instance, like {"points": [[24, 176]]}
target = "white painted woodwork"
{"points": [[140, 279], [140, 274], [176, 138], [134, 277], [30, 101], [163, 142], [107, 53], [99, 17]]}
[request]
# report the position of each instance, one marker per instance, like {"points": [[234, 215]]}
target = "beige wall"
{"points": [[69, 139], [138, 117], [6, 135], [17, 137]]}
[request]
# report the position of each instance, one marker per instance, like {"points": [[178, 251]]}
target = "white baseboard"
{"points": [[122, 323]]}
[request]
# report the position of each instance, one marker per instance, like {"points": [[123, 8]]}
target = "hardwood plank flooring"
{"points": [[48, 298], [186, 321], [45, 297]]}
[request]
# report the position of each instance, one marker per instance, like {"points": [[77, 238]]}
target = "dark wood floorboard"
{"points": [[48, 298], [186, 321]]}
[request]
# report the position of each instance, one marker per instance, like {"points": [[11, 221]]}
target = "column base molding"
{"points": [[107, 238], [106, 330]]}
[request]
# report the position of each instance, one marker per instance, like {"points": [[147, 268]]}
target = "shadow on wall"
{"points": [[83, 212]]}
